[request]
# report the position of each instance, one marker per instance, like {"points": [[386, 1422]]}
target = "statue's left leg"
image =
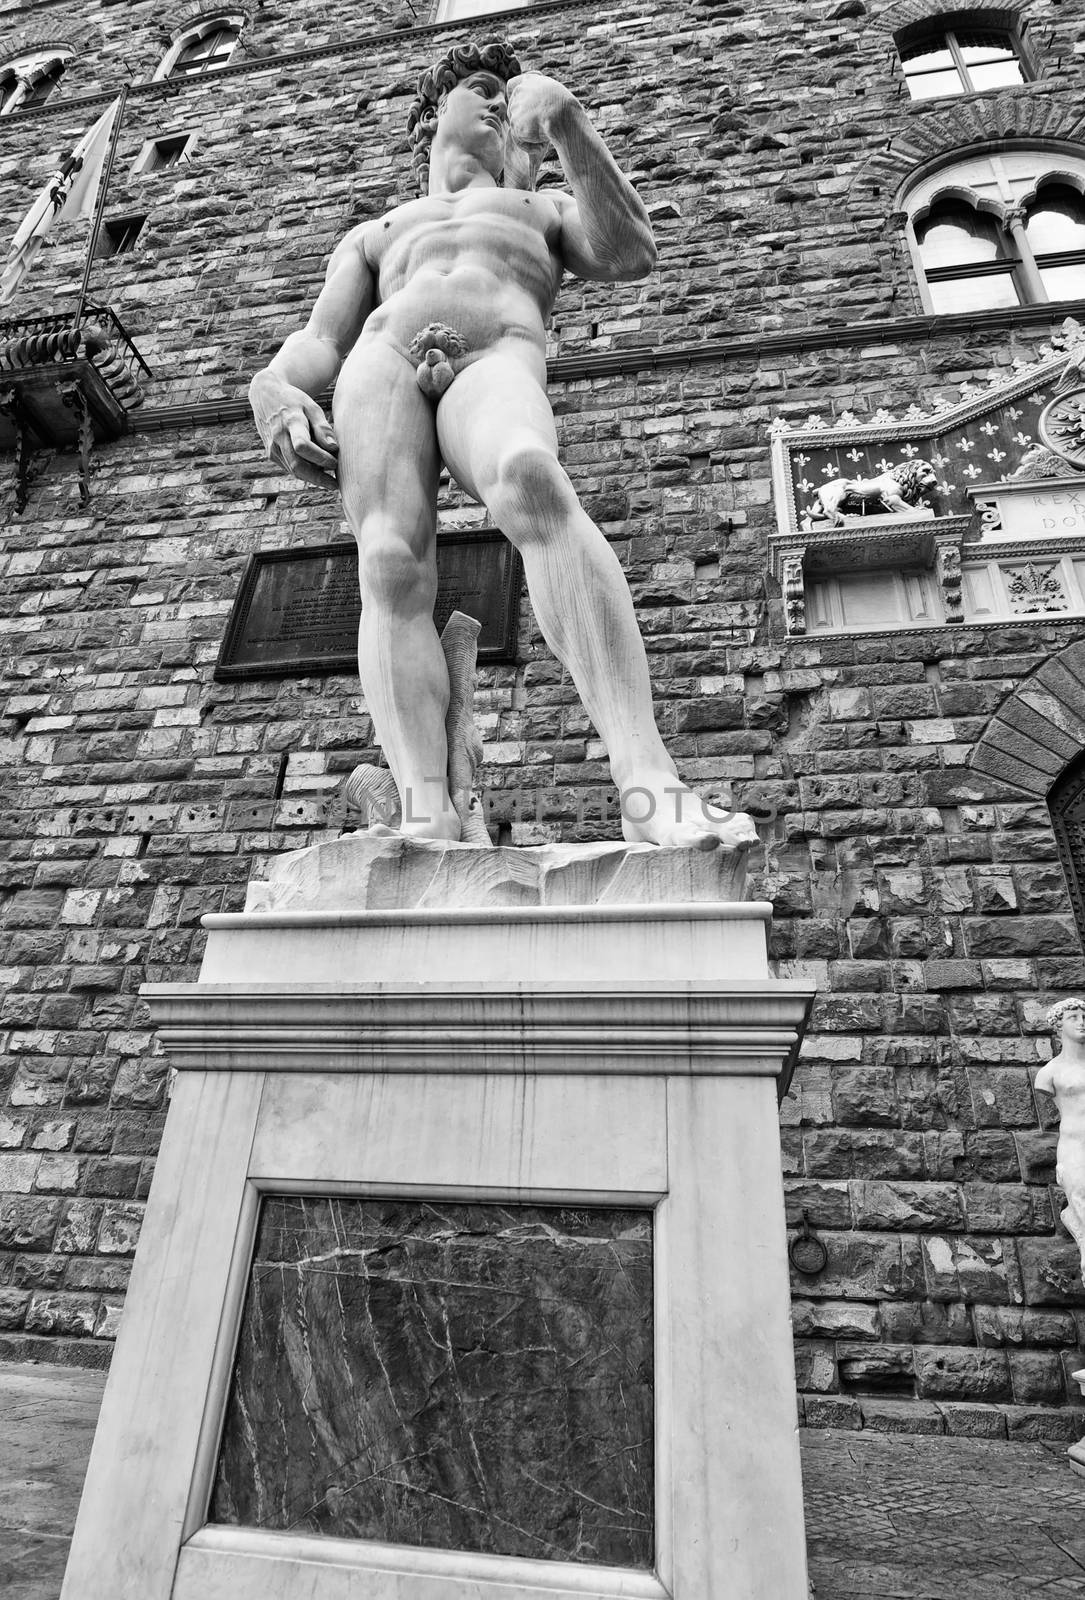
{"points": [[497, 437]]}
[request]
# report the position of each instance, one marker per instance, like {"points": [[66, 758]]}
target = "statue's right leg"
{"points": [[388, 469]]}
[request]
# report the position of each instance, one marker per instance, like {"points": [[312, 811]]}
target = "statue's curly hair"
{"points": [[1059, 1010], [461, 61]]}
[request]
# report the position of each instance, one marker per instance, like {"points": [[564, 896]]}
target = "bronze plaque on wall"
{"points": [[297, 611]]}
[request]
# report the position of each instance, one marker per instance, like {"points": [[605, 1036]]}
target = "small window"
{"points": [[119, 235], [30, 80], [158, 155], [961, 61], [202, 49]]}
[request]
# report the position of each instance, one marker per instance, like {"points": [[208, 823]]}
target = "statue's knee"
{"points": [[531, 483], [392, 575]]}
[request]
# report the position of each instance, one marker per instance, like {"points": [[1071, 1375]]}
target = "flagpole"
{"points": [[99, 208]]}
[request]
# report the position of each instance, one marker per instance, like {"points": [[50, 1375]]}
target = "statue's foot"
{"points": [[665, 812], [385, 830]]}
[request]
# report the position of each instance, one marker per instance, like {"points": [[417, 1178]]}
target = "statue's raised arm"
{"points": [[605, 232]]}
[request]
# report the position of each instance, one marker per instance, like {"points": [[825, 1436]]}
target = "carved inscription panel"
{"points": [[297, 611]]}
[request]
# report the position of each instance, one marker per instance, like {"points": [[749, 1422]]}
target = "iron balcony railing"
{"points": [[99, 337]]}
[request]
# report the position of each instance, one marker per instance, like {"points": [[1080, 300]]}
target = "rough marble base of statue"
{"points": [[375, 872]]}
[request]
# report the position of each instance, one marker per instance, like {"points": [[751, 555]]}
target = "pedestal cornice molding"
{"points": [[748, 1028]]}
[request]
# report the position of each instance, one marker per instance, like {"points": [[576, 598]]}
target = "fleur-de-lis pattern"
{"points": [[984, 450], [1034, 588]]}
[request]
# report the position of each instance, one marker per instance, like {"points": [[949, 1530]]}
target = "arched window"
{"points": [[944, 59], [968, 261], [1066, 803], [203, 48], [29, 80], [1055, 229], [1000, 228]]}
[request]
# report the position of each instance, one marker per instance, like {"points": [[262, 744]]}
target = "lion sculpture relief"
{"points": [[899, 489]]}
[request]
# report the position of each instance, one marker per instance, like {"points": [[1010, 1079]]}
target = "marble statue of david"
{"points": [[432, 320]]}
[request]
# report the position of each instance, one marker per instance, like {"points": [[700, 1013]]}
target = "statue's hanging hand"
{"points": [[296, 433]]}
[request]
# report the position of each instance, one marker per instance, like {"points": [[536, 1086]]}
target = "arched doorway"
{"points": [[1066, 802]]}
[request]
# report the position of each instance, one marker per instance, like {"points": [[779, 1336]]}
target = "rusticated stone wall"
{"points": [[138, 793]]}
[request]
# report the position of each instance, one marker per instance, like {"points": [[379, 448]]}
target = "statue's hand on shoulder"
{"points": [[296, 433], [536, 106]]}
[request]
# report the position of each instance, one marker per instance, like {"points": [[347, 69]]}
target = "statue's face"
{"points": [[1073, 1025], [474, 118]]}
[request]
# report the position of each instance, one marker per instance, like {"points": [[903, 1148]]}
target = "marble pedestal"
{"points": [[591, 1031]]}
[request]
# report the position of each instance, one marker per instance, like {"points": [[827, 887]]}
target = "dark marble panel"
{"points": [[471, 1377]]}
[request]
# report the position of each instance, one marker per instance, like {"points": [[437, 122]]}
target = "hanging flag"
{"points": [[70, 194]]}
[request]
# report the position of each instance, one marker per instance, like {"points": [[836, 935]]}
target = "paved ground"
{"points": [[888, 1516]]}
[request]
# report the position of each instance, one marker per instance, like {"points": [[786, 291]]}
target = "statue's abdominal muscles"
{"points": [[485, 270]]}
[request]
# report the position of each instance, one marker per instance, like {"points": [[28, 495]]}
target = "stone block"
{"points": [[990, 1154], [970, 1269], [1017, 936], [965, 1421], [78, 1228], [112, 1178], [1037, 1377], [903, 892], [832, 1411], [912, 1206], [815, 1367], [834, 1319], [96, 1273], [12, 1132], [863, 1367], [27, 1223], [72, 1314], [948, 975], [865, 1097], [901, 1416], [860, 1267], [1019, 1327], [59, 1174], [827, 1205], [1057, 1424], [952, 1373], [119, 1231], [836, 1153], [1001, 1098], [33, 908], [925, 1322], [1007, 1208], [1036, 1154], [17, 1173], [1051, 1272], [13, 1304]]}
